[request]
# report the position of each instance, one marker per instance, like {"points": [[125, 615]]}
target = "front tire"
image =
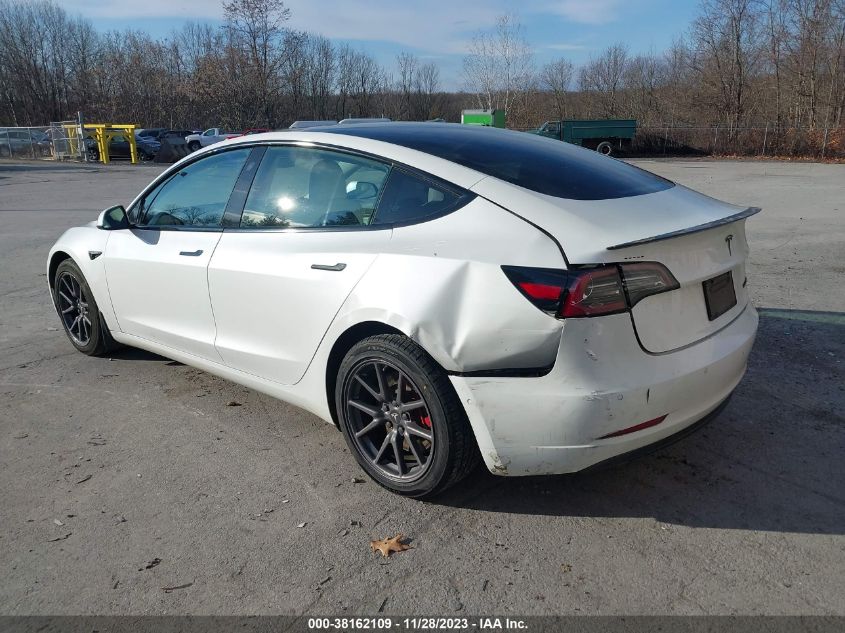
{"points": [[193, 146], [401, 417], [78, 311]]}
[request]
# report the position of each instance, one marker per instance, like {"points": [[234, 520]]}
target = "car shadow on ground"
{"points": [[134, 353], [774, 460]]}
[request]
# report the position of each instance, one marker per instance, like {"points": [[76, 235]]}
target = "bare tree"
{"points": [[604, 77], [726, 40], [256, 27], [556, 77], [500, 65]]}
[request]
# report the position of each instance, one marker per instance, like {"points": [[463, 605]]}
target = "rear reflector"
{"points": [[593, 291], [635, 428]]}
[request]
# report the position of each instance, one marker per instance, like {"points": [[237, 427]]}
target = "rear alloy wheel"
{"points": [[401, 417], [604, 148], [78, 311]]}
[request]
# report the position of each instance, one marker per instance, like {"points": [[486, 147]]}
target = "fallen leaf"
{"points": [[388, 545], [21, 436], [84, 479], [566, 568], [233, 403], [59, 538], [169, 589], [357, 480], [57, 522], [301, 525]]}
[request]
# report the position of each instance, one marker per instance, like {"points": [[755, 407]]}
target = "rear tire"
{"points": [[605, 147], [78, 312], [407, 428]]}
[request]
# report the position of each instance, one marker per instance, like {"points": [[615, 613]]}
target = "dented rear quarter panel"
{"points": [[441, 283]]}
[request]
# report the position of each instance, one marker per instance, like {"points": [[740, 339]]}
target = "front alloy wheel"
{"points": [[74, 309], [401, 417], [80, 317]]}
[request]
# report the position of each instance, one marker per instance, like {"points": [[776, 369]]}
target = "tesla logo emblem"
{"points": [[728, 241]]}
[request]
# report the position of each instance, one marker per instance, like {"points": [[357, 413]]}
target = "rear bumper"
{"points": [[602, 382]]}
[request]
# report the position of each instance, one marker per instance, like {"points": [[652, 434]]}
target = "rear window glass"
{"points": [[544, 165]]}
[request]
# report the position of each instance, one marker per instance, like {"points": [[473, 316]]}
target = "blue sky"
{"points": [[435, 30]]}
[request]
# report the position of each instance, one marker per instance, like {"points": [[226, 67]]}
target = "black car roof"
{"points": [[541, 164]]}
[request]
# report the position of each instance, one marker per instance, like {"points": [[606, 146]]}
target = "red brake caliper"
{"points": [[426, 421]]}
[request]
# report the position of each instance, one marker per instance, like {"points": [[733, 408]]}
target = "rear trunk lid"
{"points": [[699, 239]]}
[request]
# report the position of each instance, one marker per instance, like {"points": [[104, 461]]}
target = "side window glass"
{"points": [[197, 194], [409, 198], [305, 187]]}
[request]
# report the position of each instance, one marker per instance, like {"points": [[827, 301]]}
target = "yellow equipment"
{"points": [[103, 133]]}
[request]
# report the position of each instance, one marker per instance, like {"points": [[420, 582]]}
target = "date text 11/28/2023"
{"points": [[416, 624]]}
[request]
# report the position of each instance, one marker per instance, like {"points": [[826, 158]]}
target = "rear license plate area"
{"points": [[719, 295]]}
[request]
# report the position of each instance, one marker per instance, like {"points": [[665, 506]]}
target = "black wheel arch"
{"points": [[342, 345], [57, 258]]}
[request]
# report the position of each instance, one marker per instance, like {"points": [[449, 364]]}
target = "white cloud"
{"points": [[564, 46], [586, 11], [436, 26]]}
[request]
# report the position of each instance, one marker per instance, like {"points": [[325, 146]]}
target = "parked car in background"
{"points": [[24, 142], [354, 121], [209, 137], [301, 125], [153, 132], [119, 148], [180, 134], [444, 293]]}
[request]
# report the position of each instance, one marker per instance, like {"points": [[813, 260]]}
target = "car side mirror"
{"points": [[113, 219]]}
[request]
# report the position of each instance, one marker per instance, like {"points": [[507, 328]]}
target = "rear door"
{"points": [[157, 271], [303, 242]]}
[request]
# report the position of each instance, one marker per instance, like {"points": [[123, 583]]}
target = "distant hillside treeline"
{"points": [[741, 64]]}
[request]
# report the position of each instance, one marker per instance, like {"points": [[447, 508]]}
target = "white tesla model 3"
{"points": [[439, 292]]}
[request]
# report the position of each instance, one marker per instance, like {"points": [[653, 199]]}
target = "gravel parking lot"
{"points": [[125, 476]]}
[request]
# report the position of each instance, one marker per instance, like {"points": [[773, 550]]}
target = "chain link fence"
{"points": [[61, 140], [25, 142]]}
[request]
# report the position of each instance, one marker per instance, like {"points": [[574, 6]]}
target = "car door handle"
{"points": [[336, 267], [195, 253]]}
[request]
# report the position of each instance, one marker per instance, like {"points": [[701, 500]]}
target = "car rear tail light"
{"points": [[646, 278], [595, 291]]}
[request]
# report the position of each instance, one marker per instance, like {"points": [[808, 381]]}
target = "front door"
{"points": [[157, 271]]}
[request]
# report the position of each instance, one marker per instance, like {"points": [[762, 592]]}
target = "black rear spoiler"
{"points": [[693, 229]]}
